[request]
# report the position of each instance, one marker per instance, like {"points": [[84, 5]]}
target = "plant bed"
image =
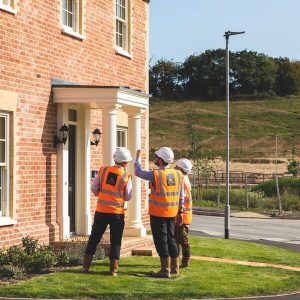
{"points": [[30, 259]]}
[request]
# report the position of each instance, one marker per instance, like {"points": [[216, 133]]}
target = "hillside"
{"points": [[253, 126]]}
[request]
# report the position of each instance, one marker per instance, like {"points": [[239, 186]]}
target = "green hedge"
{"points": [[286, 185], [237, 197]]}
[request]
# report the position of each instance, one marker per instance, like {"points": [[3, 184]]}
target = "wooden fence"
{"points": [[235, 178]]}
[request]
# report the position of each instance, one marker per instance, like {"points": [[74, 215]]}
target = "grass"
{"points": [[253, 126], [217, 247], [202, 280]]}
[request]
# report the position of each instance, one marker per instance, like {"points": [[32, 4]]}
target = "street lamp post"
{"points": [[227, 206]]}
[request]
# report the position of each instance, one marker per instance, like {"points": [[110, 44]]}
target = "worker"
{"points": [[165, 203], [113, 186], [182, 230]]}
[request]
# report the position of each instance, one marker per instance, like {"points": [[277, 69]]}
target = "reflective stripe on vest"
{"points": [[113, 181], [187, 210], [164, 196]]}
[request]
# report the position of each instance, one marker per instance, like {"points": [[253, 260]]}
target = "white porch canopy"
{"points": [[109, 99]]}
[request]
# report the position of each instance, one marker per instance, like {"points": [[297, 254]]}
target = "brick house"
{"points": [[82, 63]]}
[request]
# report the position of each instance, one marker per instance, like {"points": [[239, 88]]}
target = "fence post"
{"points": [[219, 192], [247, 199]]}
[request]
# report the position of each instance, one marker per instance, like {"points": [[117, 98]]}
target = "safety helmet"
{"points": [[121, 155], [166, 154], [185, 165]]}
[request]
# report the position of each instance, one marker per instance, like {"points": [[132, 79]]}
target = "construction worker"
{"points": [[165, 203], [113, 186], [182, 230]]}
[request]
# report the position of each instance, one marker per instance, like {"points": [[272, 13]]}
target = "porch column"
{"points": [[63, 218], [134, 226], [109, 133]]}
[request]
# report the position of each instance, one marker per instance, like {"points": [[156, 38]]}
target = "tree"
{"points": [[252, 73], [164, 79], [294, 164], [204, 75], [202, 163], [286, 82]]}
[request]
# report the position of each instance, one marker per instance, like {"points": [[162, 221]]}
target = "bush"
{"points": [[4, 260], [40, 261], [290, 185], [35, 258], [62, 258], [9, 271], [290, 202], [237, 197], [30, 245], [16, 256], [72, 253]]}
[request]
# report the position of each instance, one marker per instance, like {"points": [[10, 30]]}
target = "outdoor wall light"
{"points": [[97, 134], [62, 136]]}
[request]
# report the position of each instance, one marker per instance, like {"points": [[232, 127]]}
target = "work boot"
{"points": [[113, 268], [185, 262], [164, 271], [87, 260], [175, 265]]}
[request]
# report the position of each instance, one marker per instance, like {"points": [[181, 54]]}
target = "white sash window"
{"points": [[122, 26], [8, 5], [72, 17], [4, 165], [122, 137]]}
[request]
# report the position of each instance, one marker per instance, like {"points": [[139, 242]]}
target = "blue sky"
{"points": [[179, 28]]}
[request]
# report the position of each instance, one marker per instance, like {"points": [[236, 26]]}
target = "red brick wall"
{"points": [[32, 51]]}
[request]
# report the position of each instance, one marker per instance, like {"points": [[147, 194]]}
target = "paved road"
{"points": [[277, 232]]}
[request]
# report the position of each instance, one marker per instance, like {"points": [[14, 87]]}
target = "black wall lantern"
{"points": [[97, 134], [62, 136]]}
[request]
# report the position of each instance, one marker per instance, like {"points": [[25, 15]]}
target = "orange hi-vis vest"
{"points": [[188, 205], [164, 196], [111, 195]]}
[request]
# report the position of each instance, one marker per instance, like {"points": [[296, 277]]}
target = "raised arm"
{"points": [[147, 175]]}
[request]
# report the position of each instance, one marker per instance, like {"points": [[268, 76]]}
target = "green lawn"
{"points": [[253, 126], [202, 280]]}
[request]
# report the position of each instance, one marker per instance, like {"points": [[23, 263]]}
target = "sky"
{"points": [[180, 28]]}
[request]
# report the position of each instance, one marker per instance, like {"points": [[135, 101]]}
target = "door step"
{"points": [[144, 251]]}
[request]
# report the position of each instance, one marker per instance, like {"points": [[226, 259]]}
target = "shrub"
{"points": [[62, 258], [72, 254], [290, 185], [4, 260], [237, 197], [16, 255], [290, 202], [30, 245], [9, 271], [40, 261]]}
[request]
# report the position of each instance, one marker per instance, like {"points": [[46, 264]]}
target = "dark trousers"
{"points": [[163, 236], [116, 225]]}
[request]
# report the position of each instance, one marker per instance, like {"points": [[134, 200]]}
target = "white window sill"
{"points": [[70, 32], [6, 221], [8, 9], [122, 52]]}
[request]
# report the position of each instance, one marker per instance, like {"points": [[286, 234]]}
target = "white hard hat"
{"points": [[166, 154], [121, 155], [185, 165]]}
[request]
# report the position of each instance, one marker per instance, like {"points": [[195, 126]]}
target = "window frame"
{"points": [[124, 139], [123, 49], [4, 170], [76, 29], [11, 8]]}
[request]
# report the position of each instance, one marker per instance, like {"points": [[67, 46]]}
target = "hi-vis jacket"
{"points": [[164, 196], [188, 205], [112, 185]]}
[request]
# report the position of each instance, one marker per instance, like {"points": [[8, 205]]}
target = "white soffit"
{"points": [[99, 96]]}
